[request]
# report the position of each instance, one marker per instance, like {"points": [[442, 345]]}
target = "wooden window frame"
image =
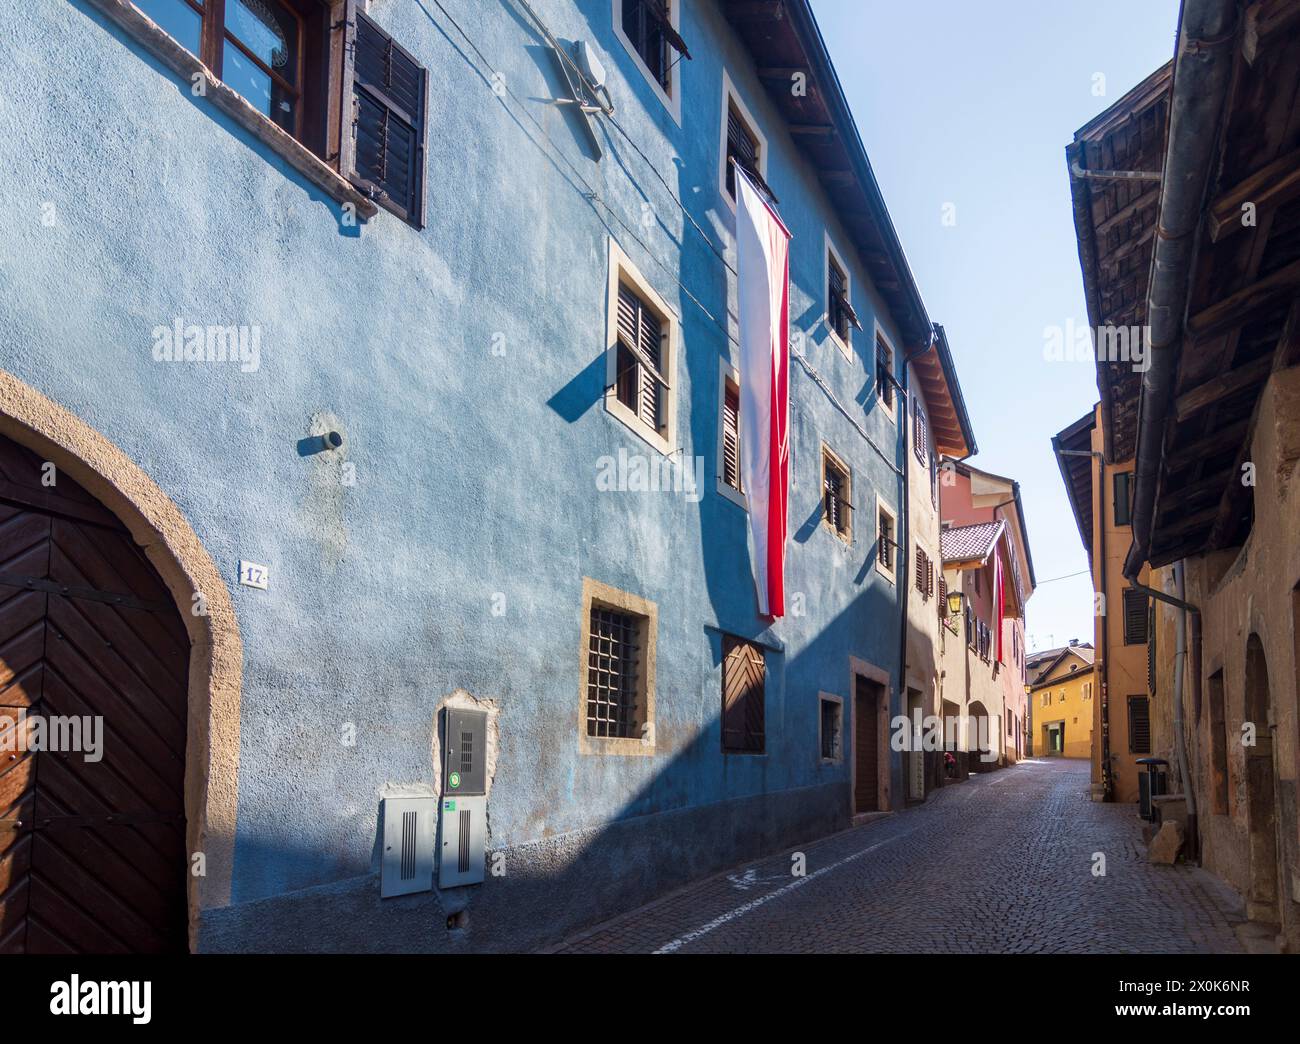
{"points": [[623, 272], [669, 96], [845, 509], [599, 595], [732, 99], [734, 648]]}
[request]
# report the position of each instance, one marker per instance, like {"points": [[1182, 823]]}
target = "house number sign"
{"points": [[251, 574]]}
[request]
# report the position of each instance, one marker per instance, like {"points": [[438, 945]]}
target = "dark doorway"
{"points": [[1261, 792], [92, 835], [866, 745]]}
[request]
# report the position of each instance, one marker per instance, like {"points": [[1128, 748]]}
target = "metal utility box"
{"points": [[1152, 783], [463, 834], [407, 863], [464, 759]]}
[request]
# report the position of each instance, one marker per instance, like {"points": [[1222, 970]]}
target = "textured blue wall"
{"points": [[475, 472]]}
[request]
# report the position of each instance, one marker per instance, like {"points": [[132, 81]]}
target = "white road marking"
{"points": [[754, 904]]}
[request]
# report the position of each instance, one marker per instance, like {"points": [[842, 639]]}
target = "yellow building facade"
{"points": [[1062, 698]]}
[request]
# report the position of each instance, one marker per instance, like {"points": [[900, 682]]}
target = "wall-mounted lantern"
{"points": [[955, 602]]}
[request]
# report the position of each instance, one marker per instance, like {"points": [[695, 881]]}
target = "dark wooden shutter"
{"points": [[385, 118], [920, 570], [743, 148], [1139, 725], [744, 679], [920, 432], [1135, 617], [943, 597], [929, 576], [731, 437]]}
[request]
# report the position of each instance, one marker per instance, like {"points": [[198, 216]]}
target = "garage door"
{"points": [[93, 656]]}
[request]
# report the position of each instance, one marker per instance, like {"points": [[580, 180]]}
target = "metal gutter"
{"points": [[1202, 72]]}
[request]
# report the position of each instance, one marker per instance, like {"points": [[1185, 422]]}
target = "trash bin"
{"points": [[1152, 783]]}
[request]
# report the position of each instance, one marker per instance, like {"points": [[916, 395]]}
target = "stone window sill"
{"points": [[146, 33]]}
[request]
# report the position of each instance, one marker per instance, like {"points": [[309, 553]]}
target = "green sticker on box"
{"points": [[455, 779], [449, 806]]}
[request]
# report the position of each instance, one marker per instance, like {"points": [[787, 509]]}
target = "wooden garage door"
{"points": [[92, 852], [866, 747]]}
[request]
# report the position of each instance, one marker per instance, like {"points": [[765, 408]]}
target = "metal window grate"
{"points": [[612, 674], [885, 374], [835, 494]]}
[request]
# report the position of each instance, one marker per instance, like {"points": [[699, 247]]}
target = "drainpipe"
{"points": [[905, 532], [1103, 646], [1202, 69], [1180, 657]]}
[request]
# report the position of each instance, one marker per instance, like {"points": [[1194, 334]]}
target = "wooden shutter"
{"points": [[385, 116], [943, 597], [920, 570], [640, 335], [744, 678], [929, 576], [1135, 617], [920, 432], [1139, 725], [731, 436]]}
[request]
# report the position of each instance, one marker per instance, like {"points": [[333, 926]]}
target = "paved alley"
{"points": [[1000, 864]]}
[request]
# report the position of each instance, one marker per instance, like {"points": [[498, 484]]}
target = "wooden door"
{"points": [[92, 838], [866, 746]]}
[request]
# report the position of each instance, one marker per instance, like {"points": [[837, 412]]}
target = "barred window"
{"points": [[884, 373], [836, 495], [886, 548], [920, 432], [832, 721], [613, 674], [839, 312]]}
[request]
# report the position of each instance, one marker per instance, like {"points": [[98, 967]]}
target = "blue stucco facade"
{"points": [[464, 365]]}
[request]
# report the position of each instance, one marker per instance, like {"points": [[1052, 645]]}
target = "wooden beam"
{"points": [[1187, 523], [1194, 451], [1236, 308], [812, 130], [836, 177], [783, 72], [1263, 20], [1268, 188], [1179, 497], [768, 10], [1214, 390]]}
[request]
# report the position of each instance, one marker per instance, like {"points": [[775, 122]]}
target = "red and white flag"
{"points": [[763, 267]]}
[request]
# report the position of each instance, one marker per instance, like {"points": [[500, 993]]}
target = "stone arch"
{"points": [[1261, 788], [216, 649]]}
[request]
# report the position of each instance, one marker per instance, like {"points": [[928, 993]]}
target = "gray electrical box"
{"points": [[407, 863], [464, 833], [464, 759]]}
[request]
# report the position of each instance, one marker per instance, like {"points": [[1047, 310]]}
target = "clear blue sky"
{"points": [[973, 104]]}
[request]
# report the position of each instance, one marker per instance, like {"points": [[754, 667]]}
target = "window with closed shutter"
{"points": [[1139, 725], [920, 433], [384, 151], [1135, 617], [919, 579], [943, 597], [640, 351], [744, 681], [731, 436]]}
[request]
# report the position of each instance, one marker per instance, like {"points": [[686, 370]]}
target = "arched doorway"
{"points": [[1261, 792], [979, 738], [94, 667], [194, 586]]}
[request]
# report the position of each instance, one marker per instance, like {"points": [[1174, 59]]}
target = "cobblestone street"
{"points": [[999, 864]]}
